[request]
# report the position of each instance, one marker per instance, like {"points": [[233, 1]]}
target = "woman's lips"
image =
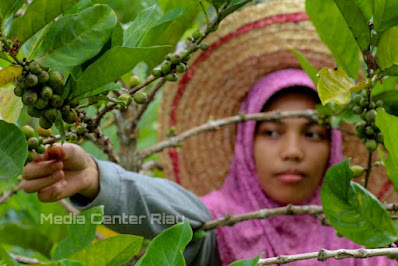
{"points": [[290, 178]]}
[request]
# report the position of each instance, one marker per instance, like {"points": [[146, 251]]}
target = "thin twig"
{"points": [[25, 260], [324, 254], [368, 169], [215, 124], [8, 194], [104, 143], [204, 12]]}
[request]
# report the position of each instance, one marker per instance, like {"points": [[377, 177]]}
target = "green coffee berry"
{"points": [[33, 143], [357, 110], [73, 138], [357, 171], [126, 98], [34, 67], [181, 68], [157, 72], [31, 157], [74, 103], [18, 91], [175, 58], [70, 117], [360, 126], [357, 98], [28, 131], [371, 145], [364, 102], [56, 101], [44, 132], [43, 77], [56, 82], [165, 67], [40, 139], [377, 163], [371, 115], [186, 58], [197, 34], [204, 46], [31, 80], [29, 97], [134, 81], [369, 131], [80, 130], [46, 92], [41, 149], [64, 109], [45, 123], [140, 97], [172, 77], [41, 103], [372, 105], [168, 56], [34, 112], [380, 138], [50, 114], [379, 103]]}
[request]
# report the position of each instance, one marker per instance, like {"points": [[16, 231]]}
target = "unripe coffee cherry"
{"points": [[172, 77], [168, 56], [134, 81], [34, 112], [64, 109], [372, 105], [56, 101], [34, 67], [31, 80], [73, 138], [197, 34], [181, 68], [28, 131], [21, 81], [357, 171], [371, 115], [371, 145], [126, 98], [18, 91], [80, 130], [56, 82], [165, 67], [45, 123], [157, 72], [377, 163], [70, 117], [360, 126], [41, 103], [31, 157], [204, 46], [357, 98], [33, 143], [364, 102], [41, 149], [50, 114], [175, 58], [357, 110], [140, 97], [369, 131], [29, 97], [186, 58], [46, 92], [43, 77], [44, 132], [74, 103], [380, 138], [379, 103]]}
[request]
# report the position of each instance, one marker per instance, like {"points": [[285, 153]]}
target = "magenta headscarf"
{"points": [[242, 192]]}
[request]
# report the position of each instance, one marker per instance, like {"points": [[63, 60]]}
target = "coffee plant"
{"points": [[77, 70]]}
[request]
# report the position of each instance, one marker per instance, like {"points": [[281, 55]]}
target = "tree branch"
{"points": [[8, 194], [25, 260], [324, 254]]}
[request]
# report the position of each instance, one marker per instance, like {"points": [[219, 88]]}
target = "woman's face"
{"points": [[291, 154]]}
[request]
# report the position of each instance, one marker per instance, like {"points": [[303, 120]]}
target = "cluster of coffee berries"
{"points": [[173, 63], [35, 143], [41, 91], [197, 36], [366, 129]]}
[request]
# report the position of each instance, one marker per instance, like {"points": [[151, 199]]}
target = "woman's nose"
{"points": [[292, 148]]}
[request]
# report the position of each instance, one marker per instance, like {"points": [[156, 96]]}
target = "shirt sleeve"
{"points": [[145, 206]]}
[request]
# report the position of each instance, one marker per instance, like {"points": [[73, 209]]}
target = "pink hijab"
{"points": [[242, 192]]}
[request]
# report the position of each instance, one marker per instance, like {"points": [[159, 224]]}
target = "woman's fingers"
{"points": [[35, 185], [39, 169], [62, 189]]}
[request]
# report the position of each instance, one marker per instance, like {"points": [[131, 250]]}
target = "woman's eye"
{"points": [[271, 133], [313, 135]]}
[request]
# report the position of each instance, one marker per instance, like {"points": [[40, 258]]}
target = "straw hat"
{"points": [[248, 45]]}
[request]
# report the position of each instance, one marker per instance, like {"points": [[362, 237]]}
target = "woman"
{"points": [[274, 162]]}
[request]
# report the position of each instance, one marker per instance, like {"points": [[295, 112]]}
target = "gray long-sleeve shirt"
{"points": [[146, 206]]}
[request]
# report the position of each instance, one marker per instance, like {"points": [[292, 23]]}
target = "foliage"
{"points": [[97, 45]]}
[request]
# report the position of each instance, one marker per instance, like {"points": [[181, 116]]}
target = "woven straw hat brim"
{"points": [[247, 46]]}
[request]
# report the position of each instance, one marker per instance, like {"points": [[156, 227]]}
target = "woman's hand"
{"points": [[60, 173]]}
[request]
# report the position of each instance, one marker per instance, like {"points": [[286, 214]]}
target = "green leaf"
{"points": [[38, 15], [247, 262], [115, 250], [26, 237], [6, 259], [218, 3], [111, 66], [9, 7], [79, 7], [117, 35], [108, 87], [335, 86], [140, 25], [59, 123], [387, 49], [63, 262], [387, 84], [167, 247], [233, 6], [385, 14], [13, 150], [329, 23], [73, 39], [82, 233], [366, 8], [356, 21], [30, 46], [306, 66], [353, 211], [10, 105], [10, 73], [388, 125]]}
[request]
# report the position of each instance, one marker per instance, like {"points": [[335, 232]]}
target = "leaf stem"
{"points": [[368, 169], [204, 12]]}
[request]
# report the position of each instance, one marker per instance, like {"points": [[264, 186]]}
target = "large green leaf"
{"points": [[366, 8], [9, 7], [10, 105], [353, 211], [390, 100], [38, 15], [26, 237], [13, 150], [73, 39], [63, 262], [108, 87], [247, 262], [385, 14], [356, 21], [115, 250], [5, 259], [335, 86], [111, 66], [82, 233], [306, 66], [234, 5], [167, 247], [329, 24], [10, 73], [388, 125], [387, 49]]}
